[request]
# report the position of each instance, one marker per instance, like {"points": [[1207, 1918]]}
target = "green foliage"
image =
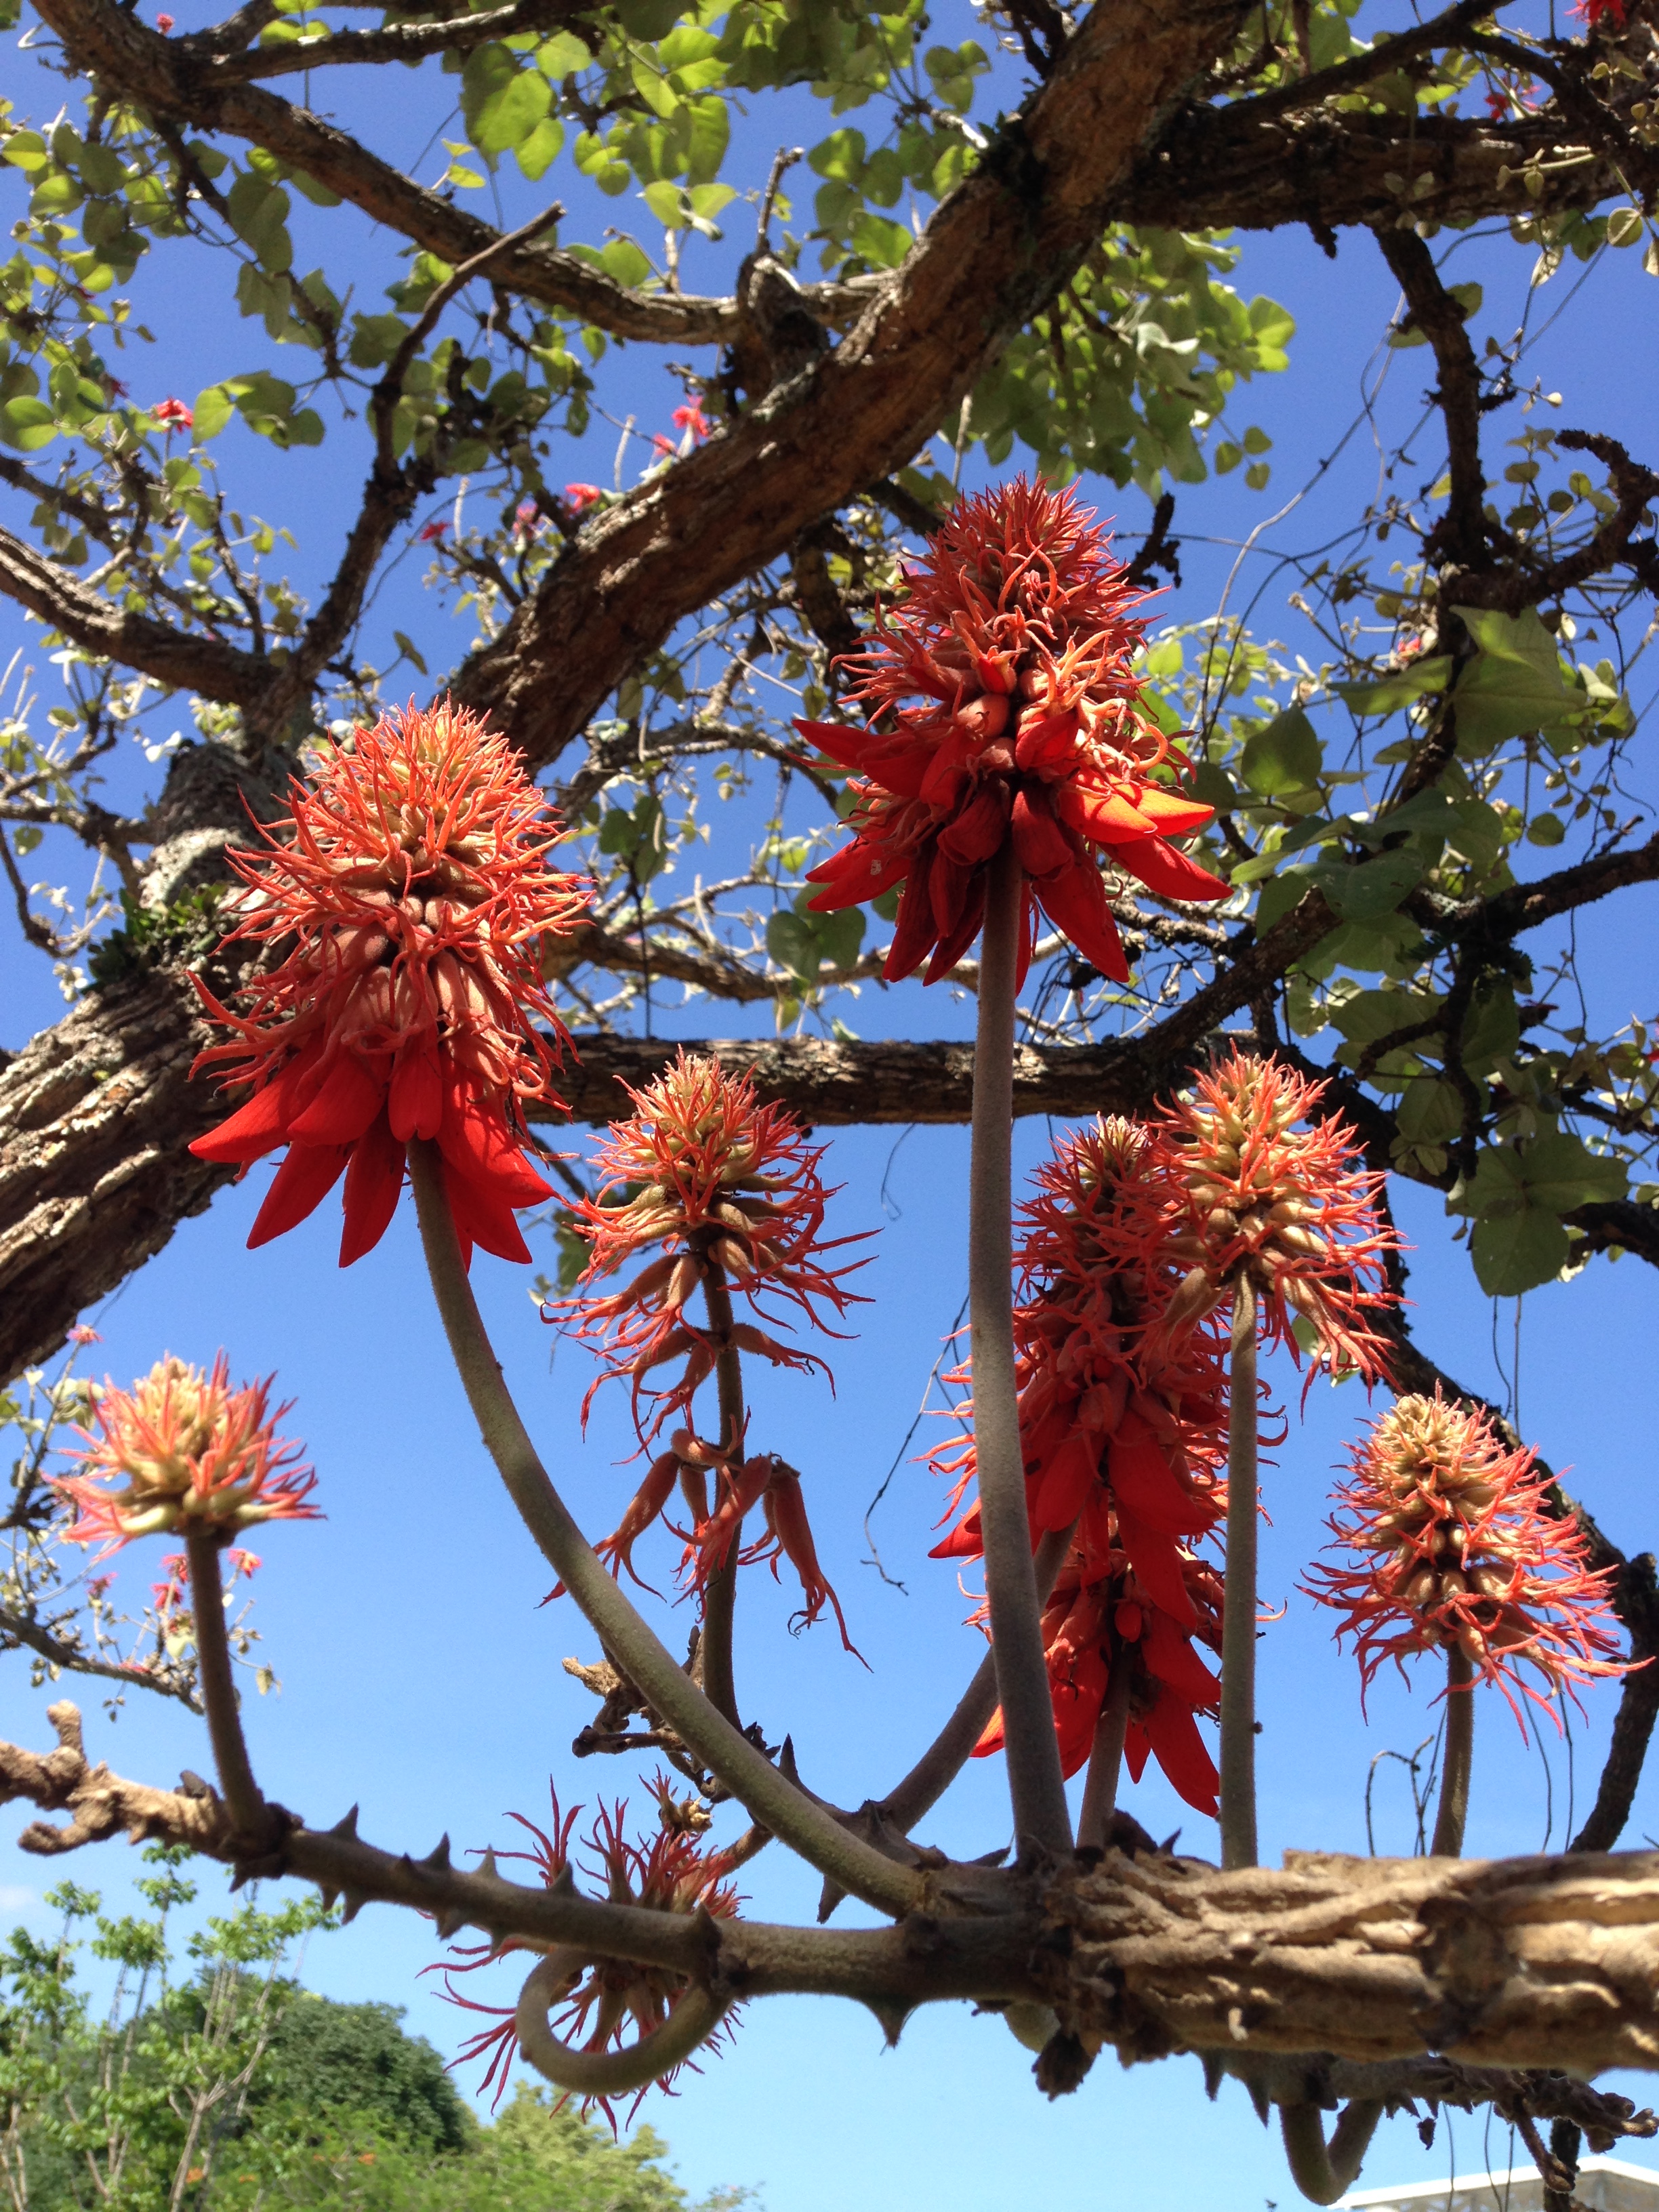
{"points": [[159, 936], [215, 2075]]}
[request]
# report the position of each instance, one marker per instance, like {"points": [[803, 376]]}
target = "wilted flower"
{"points": [[667, 1872], [1018, 633], [416, 884], [730, 1191], [1455, 1548], [183, 1453], [1249, 1192]]}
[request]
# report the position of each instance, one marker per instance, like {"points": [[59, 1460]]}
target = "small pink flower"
{"points": [[691, 418], [81, 1334], [175, 414], [579, 497], [526, 519], [164, 25], [663, 447]]}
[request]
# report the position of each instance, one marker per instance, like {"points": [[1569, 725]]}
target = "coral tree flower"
{"points": [[726, 1192], [414, 883], [1123, 1431], [667, 1872], [182, 1453], [1018, 634], [1245, 1190], [1450, 1544]]}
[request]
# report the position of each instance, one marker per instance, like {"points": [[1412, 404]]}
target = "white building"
{"points": [[1604, 2184]]}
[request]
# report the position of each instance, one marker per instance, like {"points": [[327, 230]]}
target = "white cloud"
{"points": [[14, 1899]]}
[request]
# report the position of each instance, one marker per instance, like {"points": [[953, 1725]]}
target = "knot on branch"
{"points": [[100, 1804]]}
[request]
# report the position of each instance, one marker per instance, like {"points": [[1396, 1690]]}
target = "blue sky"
{"points": [[422, 1677]]}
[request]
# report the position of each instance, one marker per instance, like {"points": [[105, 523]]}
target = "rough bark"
{"points": [[1519, 1963]]}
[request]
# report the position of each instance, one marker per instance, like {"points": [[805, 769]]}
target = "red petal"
{"points": [[257, 1124], [1155, 1558], [1075, 901], [1170, 1656], [964, 1540], [375, 1178], [1166, 872], [1173, 1733], [350, 1097], [1078, 1702], [1065, 1485], [1102, 816], [262, 1121], [1141, 1477], [951, 948], [916, 932], [856, 874], [298, 1187], [947, 773], [1042, 845], [1175, 817], [482, 1218], [1136, 1750], [416, 1103], [840, 740], [975, 833]]}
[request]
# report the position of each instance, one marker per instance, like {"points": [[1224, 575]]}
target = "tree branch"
{"points": [[398, 42], [93, 619]]}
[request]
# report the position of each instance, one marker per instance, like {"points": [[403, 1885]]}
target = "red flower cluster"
{"points": [[1456, 1547], [175, 414], [1244, 1188], [1593, 14], [182, 1453], [668, 1872], [1018, 635], [579, 497], [1123, 1430], [729, 1190], [415, 882]]}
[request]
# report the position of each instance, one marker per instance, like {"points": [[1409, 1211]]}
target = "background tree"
{"points": [[1389, 802]]}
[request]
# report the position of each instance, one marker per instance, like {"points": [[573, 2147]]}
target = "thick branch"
{"points": [[94, 619], [1519, 1963], [395, 42]]}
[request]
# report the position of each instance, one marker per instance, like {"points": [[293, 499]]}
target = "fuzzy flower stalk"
{"points": [[717, 1193], [1008, 745], [411, 884], [1268, 1212], [1123, 1434], [1445, 1543], [573, 2017]]}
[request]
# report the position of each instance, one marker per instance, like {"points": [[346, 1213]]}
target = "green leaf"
{"points": [[213, 409], [1286, 756], [1431, 1109], [623, 260], [258, 215], [1517, 1252], [563, 55], [1562, 1172], [1374, 887], [1545, 829], [1492, 1031], [26, 424], [536, 154], [507, 117], [1387, 694], [886, 244], [1514, 685], [408, 649]]}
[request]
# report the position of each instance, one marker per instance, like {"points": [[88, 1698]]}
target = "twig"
{"points": [[243, 1799]]}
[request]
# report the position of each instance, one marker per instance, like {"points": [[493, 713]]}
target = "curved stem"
{"points": [[1324, 2172], [1034, 1777], [607, 2073], [770, 1799], [1239, 1844], [242, 1793], [1105, 1759], [721, 1592], [951, 1748], [1453, 1811]]}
